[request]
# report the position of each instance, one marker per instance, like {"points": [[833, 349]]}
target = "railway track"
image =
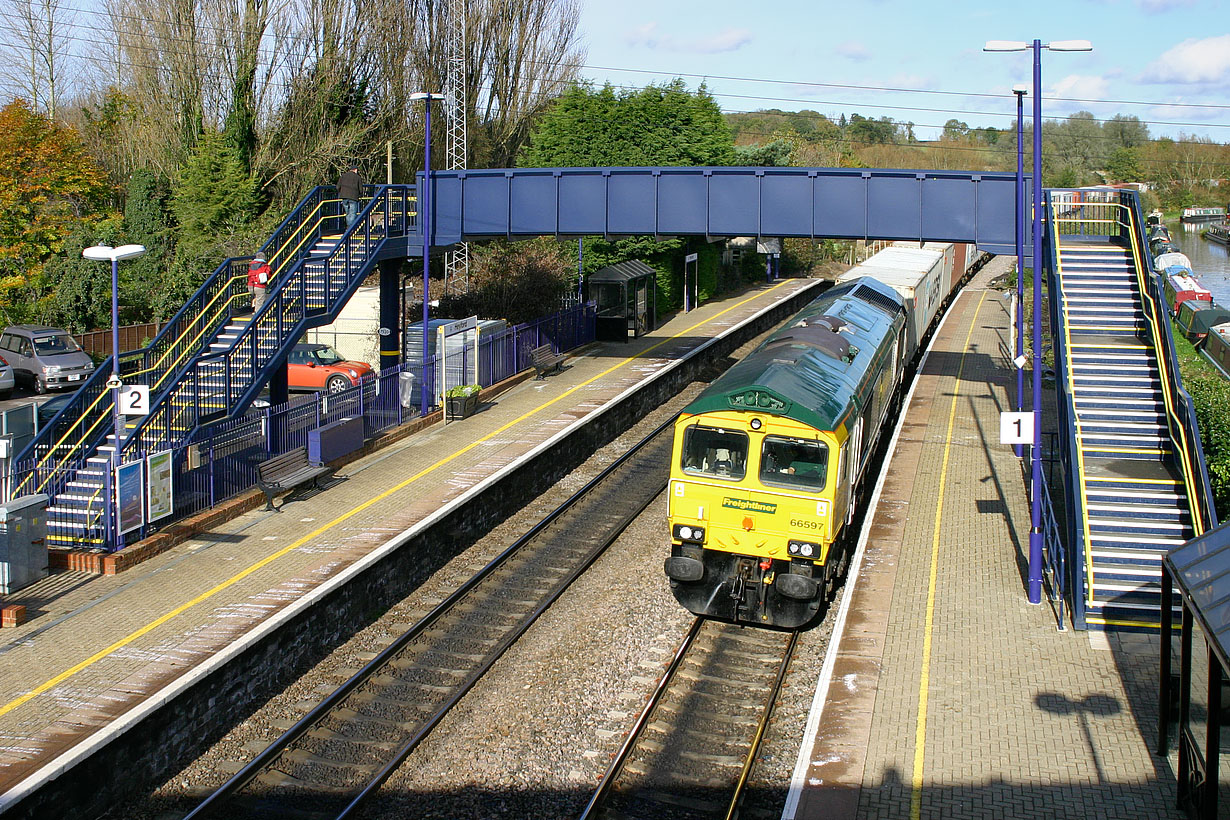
{"points": [[691, 751], [336, 756]]}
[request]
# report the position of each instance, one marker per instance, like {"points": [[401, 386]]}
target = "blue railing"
{"points": [[218, 460]]}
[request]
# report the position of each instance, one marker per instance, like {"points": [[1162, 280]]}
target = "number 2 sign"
{"points": [[134, 400], [1016, 428]]}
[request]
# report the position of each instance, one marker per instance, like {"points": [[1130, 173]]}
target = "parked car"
{"points": [[314, 366], [7, 380], [45, 357]]}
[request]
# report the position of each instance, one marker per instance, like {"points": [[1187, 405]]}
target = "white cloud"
{"points": [[1192, 61], [1162, 6], [853, 50], [1080, 86], [649, 36]]}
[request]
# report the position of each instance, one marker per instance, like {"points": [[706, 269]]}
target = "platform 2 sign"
{"points": [[1016, 428]]}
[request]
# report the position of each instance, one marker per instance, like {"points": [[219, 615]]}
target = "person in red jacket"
{"points": [[259, 274]]}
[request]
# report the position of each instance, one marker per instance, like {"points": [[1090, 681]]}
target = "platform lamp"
{"points": [[1035, 493], [106, 253], [428, 97], [1020, 91]]}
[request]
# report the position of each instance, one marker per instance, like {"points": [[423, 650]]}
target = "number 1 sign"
{"points": [[1016, 428]]}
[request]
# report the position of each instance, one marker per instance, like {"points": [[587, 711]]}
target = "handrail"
{"points": [[199, 317], [1173, 422], [1185, 421], [1075, 432], [285, 313]]}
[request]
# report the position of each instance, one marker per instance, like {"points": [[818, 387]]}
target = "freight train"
{"points": [[769, 461]]}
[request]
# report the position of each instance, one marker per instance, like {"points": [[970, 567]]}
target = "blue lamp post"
{"points": [[1020, 91], [106, 253], [1035, 492], [425, 211]]}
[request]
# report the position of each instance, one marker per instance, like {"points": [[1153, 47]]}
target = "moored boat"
{"points": [[1180, 286], [1203, 215], [1217, 347], [1196, 316], [1220, 234]]}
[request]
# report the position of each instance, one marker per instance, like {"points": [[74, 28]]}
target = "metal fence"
{"points": [[219, 460]]}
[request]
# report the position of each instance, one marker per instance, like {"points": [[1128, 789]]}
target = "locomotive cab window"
{"points": [[793, 462], [715, 452]]}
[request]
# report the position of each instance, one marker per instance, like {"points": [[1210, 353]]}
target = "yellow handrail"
{"points": [[1080, 434], [1173, 421]]}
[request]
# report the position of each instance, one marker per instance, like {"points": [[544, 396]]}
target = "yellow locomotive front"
{"points": [[751, 502]]}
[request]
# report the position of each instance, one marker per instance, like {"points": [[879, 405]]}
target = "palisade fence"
{"points": [[219, 459]]}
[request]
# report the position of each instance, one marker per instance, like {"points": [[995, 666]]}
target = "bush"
{"points": [[462, 391], [1211, 397]]}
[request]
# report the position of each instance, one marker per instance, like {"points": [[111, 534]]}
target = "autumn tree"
{"points": [[49, 186]]}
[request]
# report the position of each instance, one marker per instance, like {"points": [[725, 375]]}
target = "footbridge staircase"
{"points": [[213, 357], [1135, 477]]}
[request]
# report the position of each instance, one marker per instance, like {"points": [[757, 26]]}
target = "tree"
{"points": [[48, 187], [39, 42], [213, 192], [1124, 166], [1126, 131], [147, 221], [656, 125], [954, 130]]}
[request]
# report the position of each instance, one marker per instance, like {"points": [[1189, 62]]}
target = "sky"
{"points": [[1166, 62]]}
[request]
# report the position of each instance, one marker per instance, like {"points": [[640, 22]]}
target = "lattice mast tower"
{"points": [[456, 262]]}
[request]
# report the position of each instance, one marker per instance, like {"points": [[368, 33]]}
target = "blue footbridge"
{"points": [[1134, 477]]}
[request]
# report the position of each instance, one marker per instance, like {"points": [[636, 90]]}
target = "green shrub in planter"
{"points": [[463, 391]]}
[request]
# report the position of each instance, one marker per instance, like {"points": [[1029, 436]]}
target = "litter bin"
{"points": [[406, 392], [23, 542]]}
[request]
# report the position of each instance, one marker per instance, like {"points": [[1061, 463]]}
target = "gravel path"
{"points": [[533, 738]]}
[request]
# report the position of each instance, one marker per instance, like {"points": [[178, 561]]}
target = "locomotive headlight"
{"points": [[806, 550], [685, 532]]}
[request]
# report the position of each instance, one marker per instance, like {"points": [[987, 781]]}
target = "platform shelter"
{"points": [[626, 300]]}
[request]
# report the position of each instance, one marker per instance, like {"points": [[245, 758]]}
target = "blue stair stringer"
{"points": [[222, 358], [1138, 486]]}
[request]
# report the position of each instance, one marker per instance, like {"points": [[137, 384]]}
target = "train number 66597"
{"points": [[805, 523]]}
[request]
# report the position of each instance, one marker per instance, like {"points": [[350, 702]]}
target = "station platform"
{"points": [[945, 693], [100, 658]]}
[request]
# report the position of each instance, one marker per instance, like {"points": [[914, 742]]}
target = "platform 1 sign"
{"points": [[1016, 428]]}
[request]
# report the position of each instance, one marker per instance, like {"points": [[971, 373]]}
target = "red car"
{"points": [[313, 366]]}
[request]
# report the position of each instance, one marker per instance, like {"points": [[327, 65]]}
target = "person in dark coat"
{"points": [[349, 184]]}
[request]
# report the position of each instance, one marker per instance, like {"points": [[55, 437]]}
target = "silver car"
{"points": [[46, 357], [7, 379]]}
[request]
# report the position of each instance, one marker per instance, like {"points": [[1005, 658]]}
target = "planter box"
{"points": [[458, 407]]}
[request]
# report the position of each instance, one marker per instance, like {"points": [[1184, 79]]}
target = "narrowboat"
{"points": [[1180, 286], [1217, 347], [1159, 245], [1154, 219], [1170, 260], [1196, 316], [1203, 215], [1219, 234]]}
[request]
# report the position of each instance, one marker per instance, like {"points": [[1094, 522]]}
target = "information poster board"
{"points": [[129, 496], [160, 498]]}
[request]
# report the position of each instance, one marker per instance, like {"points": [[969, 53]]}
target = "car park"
{"points": [[47, 358], [315, 366]]}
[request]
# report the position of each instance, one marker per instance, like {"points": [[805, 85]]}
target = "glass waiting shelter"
{"points": [[625, 299], [1200, 571]]}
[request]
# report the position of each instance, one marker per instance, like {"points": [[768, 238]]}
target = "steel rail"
{"points": [[765, 714], [642, 720], [597, 803], [265, 758]]}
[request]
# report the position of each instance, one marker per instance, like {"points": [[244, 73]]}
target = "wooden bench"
{"points": [[544, 360], [285, 472]]}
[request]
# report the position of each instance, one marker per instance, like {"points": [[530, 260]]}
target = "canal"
{"points": [[1210, 261]]}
